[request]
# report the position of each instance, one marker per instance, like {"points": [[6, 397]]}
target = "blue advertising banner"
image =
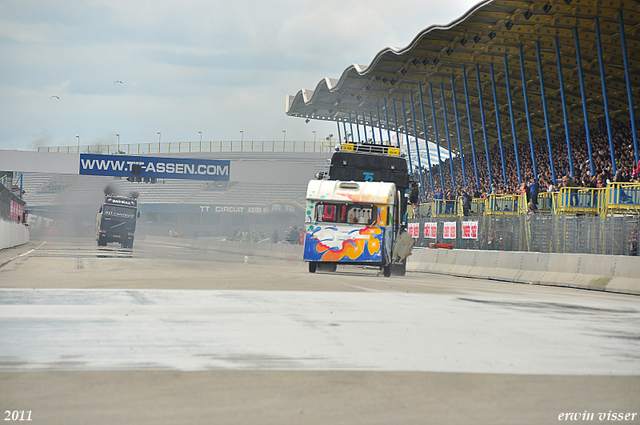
{"points": [[154, 167]]}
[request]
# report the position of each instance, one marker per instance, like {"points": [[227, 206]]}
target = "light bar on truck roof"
{"points": [[368, 148]]}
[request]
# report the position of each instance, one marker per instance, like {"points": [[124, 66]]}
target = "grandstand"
{"points": [[516, 90]]}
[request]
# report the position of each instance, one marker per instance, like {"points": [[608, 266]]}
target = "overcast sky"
{"points": [[185, 66]]}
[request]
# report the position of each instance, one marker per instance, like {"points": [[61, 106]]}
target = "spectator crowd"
{"points": [[626, 168]]}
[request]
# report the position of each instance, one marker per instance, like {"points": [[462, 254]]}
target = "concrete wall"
{"points": [[598, 272], [12, 234]]}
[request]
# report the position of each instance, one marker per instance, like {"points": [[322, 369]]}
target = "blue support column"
{"points": [[484, 127], [564, 106], [446, 126], [473, 148], [339, 135], [604, 96], [395, 119], [344, 127], [628, 79], [546, 116], [351, 126], [373, 132], [415, 132], [379, 123], [358, 127], [435, 135], [495, 105], [513, 122], [584, 101], [386, 114], [526, 108], [426, 142], [455, 110], [406, 133]]}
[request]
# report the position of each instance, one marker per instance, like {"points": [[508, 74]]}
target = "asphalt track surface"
{"points": [[168, 335]]}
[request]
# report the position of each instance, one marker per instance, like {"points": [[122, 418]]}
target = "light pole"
{"points": [[200, 133], [314, 136], [241, 136], [159, 137], [78, 137], [284, 138], [118, 136]]}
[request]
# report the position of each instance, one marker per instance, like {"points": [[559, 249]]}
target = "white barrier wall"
{"points": [[12, 234], [599, 272]]}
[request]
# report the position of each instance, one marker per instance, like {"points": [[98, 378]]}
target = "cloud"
{"points": [[214, 66]]}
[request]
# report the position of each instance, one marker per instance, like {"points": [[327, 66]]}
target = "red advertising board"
{"points": [[449, 230], [431, 230], [469, 230]]}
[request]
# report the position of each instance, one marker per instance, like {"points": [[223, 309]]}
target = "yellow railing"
{"points": [[195, 147], [423, 210], [501, 205], [578, 200], [616, 198], [621, 198], [444, 208], [477, 207], [545, 203]]}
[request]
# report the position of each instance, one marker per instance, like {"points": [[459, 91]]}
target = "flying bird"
{"points": [[55, 97], [117, 81]]}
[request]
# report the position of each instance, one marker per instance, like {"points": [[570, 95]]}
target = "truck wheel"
{"points": [[386, 270], [102, 242], [333, 267], [312, 267]]}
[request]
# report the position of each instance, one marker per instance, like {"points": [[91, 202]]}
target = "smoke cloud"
{"points": [[110, 190]]}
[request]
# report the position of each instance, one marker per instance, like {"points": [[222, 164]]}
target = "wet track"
{"points": [[66, 305]]}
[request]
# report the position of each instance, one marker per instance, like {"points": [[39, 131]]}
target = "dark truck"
{"points": [[116, 221], [374, 163]]}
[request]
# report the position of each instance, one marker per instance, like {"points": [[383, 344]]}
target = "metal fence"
{"points": [[613, 235], [7, 199], [194, 147]]}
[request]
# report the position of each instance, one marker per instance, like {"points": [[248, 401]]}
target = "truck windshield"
{"points": [[345, 213], [116, 211]]}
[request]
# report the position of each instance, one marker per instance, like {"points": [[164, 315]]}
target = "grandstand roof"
{"points": [[482, 38]]}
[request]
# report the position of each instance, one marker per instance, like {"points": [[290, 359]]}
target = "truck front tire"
{"points": [[312, 267]]}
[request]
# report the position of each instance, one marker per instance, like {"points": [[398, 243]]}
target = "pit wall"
{"points": [[586, 271], [12, 234]]}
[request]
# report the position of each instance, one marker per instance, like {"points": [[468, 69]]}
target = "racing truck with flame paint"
{"points": [[360, 221], [116, 221]]}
